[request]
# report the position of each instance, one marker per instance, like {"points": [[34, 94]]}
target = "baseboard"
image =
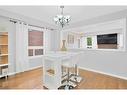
{"points": [[10, 74], [33, 68], [109, 74]]}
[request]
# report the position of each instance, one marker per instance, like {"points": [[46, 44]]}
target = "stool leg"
{"points": [[62, 70], [67, 85], [68, 73], [76, 73], [6, 77], [76, 69]]}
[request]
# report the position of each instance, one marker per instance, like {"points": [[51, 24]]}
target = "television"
{"points": [[107, 39]]}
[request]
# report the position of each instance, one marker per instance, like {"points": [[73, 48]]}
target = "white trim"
{"points": [[10, 74], [33, 68], [13, 73], [2, 76], [36, 28], [35, 47], [93, 49], [36, 56], [109, 74]]}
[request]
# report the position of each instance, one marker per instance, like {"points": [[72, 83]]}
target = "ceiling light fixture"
{"points": [[62, 19]]}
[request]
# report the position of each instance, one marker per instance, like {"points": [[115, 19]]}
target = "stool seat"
{"points": [[67, 64]]}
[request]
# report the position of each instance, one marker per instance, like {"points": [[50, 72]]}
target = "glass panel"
{"points": [[70, 39], [89, 41], [38, 51], [107, 41], [30, 52]]}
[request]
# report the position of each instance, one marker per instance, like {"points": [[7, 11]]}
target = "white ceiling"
{"points": [[78, 13]]}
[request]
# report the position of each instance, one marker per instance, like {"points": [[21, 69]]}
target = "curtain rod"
{"points": [[15, 20]]}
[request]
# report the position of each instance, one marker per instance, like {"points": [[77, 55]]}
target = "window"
{"points": [[38, 51], [30, 52], [70, 39], [103, 41], [107, 41], [35, 38], [35, 42], [89, 42]]}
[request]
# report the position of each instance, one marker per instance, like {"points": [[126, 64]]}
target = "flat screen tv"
{"points": [[107, 39]]}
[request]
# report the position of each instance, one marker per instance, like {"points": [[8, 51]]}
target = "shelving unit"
{"points": [[3, 54]]}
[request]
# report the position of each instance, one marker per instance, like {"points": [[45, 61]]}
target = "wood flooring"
{"points": [[33, 80]]}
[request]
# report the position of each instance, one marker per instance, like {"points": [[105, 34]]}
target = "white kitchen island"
{"points": [[52, 73]]}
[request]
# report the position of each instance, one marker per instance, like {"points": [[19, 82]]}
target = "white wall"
{"points": [[36, 61], [110, 62], [105, 61], [55, 40]]}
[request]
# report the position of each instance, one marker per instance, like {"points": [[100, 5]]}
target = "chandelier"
{"points": [[62, 19]]}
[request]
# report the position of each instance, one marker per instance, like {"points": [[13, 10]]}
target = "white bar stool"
{"points": [[71, 80], [66, 77]]}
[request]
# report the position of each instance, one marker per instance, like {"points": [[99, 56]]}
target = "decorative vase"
{"points": [[63, 46]]}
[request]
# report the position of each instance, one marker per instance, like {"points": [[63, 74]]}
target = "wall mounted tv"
{"points": [[107, 39]]}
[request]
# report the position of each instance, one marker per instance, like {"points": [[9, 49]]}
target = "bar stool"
{"points": [[66, 78], [69, 64], [75, 76]]}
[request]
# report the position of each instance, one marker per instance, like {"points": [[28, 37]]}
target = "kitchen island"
{"points": [[52, 71]]}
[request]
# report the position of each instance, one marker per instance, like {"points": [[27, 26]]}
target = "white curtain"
{"points": [[22, 63], [94, 42]]}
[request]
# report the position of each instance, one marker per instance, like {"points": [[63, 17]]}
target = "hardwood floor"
{"points": [[33, 80], [94, 80]]}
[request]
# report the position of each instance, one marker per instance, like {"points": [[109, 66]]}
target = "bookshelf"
{"points": [[3, 54]]}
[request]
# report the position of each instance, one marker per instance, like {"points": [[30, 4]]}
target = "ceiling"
{"points": [[77, 13]]}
